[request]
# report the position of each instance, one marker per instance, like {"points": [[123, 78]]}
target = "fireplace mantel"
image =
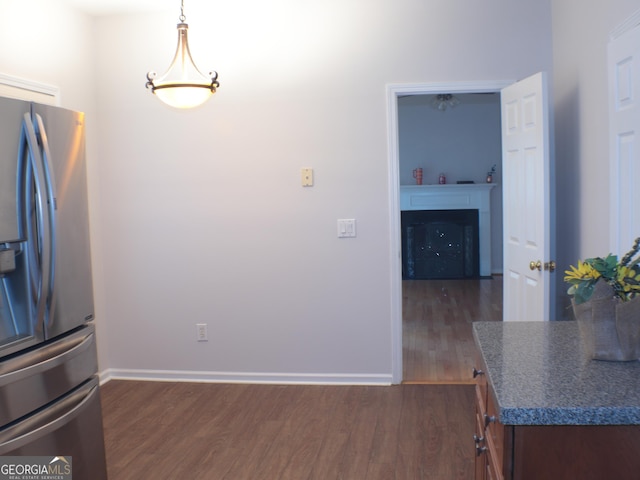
{"points": [[475, 196]]}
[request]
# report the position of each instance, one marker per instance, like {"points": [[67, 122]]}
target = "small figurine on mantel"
{"points": [[417, 174], [490, 174]]}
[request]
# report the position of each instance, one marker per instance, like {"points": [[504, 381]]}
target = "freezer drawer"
{"points": [[31, 380], [70, 427]]}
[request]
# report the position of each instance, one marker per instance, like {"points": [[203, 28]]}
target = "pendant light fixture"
{"points": [[183, 85]]}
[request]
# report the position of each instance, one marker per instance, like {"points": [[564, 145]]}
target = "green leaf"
{"points": [[583, 292]]}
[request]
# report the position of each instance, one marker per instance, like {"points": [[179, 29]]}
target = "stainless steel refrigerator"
{"points": [[49, 391]]}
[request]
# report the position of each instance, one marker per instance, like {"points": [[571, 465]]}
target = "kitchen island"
{"points": [[545, 410]]}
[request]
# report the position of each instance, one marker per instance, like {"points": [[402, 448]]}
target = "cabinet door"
{"points": [[480, 446], [495, 433], [491, 473], [576, 452]]}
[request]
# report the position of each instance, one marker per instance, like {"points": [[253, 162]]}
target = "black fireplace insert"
{"points": [[440, 244]]}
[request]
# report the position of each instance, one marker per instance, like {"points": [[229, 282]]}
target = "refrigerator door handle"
{"points": [[49, 419], [34, 218], [49, 182], [15, 369]]}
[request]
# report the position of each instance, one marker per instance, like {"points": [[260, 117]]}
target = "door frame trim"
{"points": [[394, 91], [29, 90], [627, 25]]}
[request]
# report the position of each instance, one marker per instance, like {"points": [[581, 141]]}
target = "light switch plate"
{"points": [[307, 177], [346, 227]]}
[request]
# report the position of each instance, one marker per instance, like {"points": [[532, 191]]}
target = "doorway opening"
{"points": [[394, 93]]}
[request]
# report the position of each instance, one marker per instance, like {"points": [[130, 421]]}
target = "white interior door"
{"points": [[526, 197], [624, 154]]}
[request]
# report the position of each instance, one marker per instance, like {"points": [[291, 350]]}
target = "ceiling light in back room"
{"points": [[444, 100]]}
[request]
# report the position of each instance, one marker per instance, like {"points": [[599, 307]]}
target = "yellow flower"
{"points": [[628, 279], [584, 272], [623, 277]]}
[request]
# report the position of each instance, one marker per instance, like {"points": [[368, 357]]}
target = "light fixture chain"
{"points": [[182, 17]]}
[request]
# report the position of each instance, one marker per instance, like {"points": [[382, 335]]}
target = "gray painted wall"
{"points": [[199, 216]]}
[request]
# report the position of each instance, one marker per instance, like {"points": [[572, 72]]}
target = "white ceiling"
{"points": [[109, 7]]}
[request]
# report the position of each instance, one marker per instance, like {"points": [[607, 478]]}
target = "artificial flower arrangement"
{"points": [[623, 277], [606, 303]]}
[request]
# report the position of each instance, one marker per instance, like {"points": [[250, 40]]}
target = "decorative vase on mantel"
{"points": [[609, 327]]}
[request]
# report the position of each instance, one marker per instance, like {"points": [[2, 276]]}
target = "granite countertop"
{"points": [[541, 376]]}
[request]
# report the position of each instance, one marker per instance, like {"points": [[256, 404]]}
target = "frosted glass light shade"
{"points": [[183, 85]]}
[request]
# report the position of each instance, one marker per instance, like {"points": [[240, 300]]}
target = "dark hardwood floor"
{"points": [[419, 430], [157, 430]]}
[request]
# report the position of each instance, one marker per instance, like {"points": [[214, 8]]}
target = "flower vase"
{"points": [[610, 327]]}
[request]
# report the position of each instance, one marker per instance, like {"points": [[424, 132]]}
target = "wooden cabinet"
{"points": [[564, 416], [492, 439], [558, 452]]}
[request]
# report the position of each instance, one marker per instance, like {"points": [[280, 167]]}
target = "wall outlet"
{"points": [[201, 332]]}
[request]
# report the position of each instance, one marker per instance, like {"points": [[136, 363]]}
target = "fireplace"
{"points": [[440, 244], [475, 196]]}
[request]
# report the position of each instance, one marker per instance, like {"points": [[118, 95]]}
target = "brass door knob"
{"points": [[535, 265], [551, 266]]}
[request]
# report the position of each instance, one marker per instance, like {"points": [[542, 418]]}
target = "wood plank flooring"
{"points": [[200, 431], [156, 430], [438, 344]]}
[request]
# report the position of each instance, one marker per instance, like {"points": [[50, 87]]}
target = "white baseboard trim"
{"points": [[244, 377]]}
